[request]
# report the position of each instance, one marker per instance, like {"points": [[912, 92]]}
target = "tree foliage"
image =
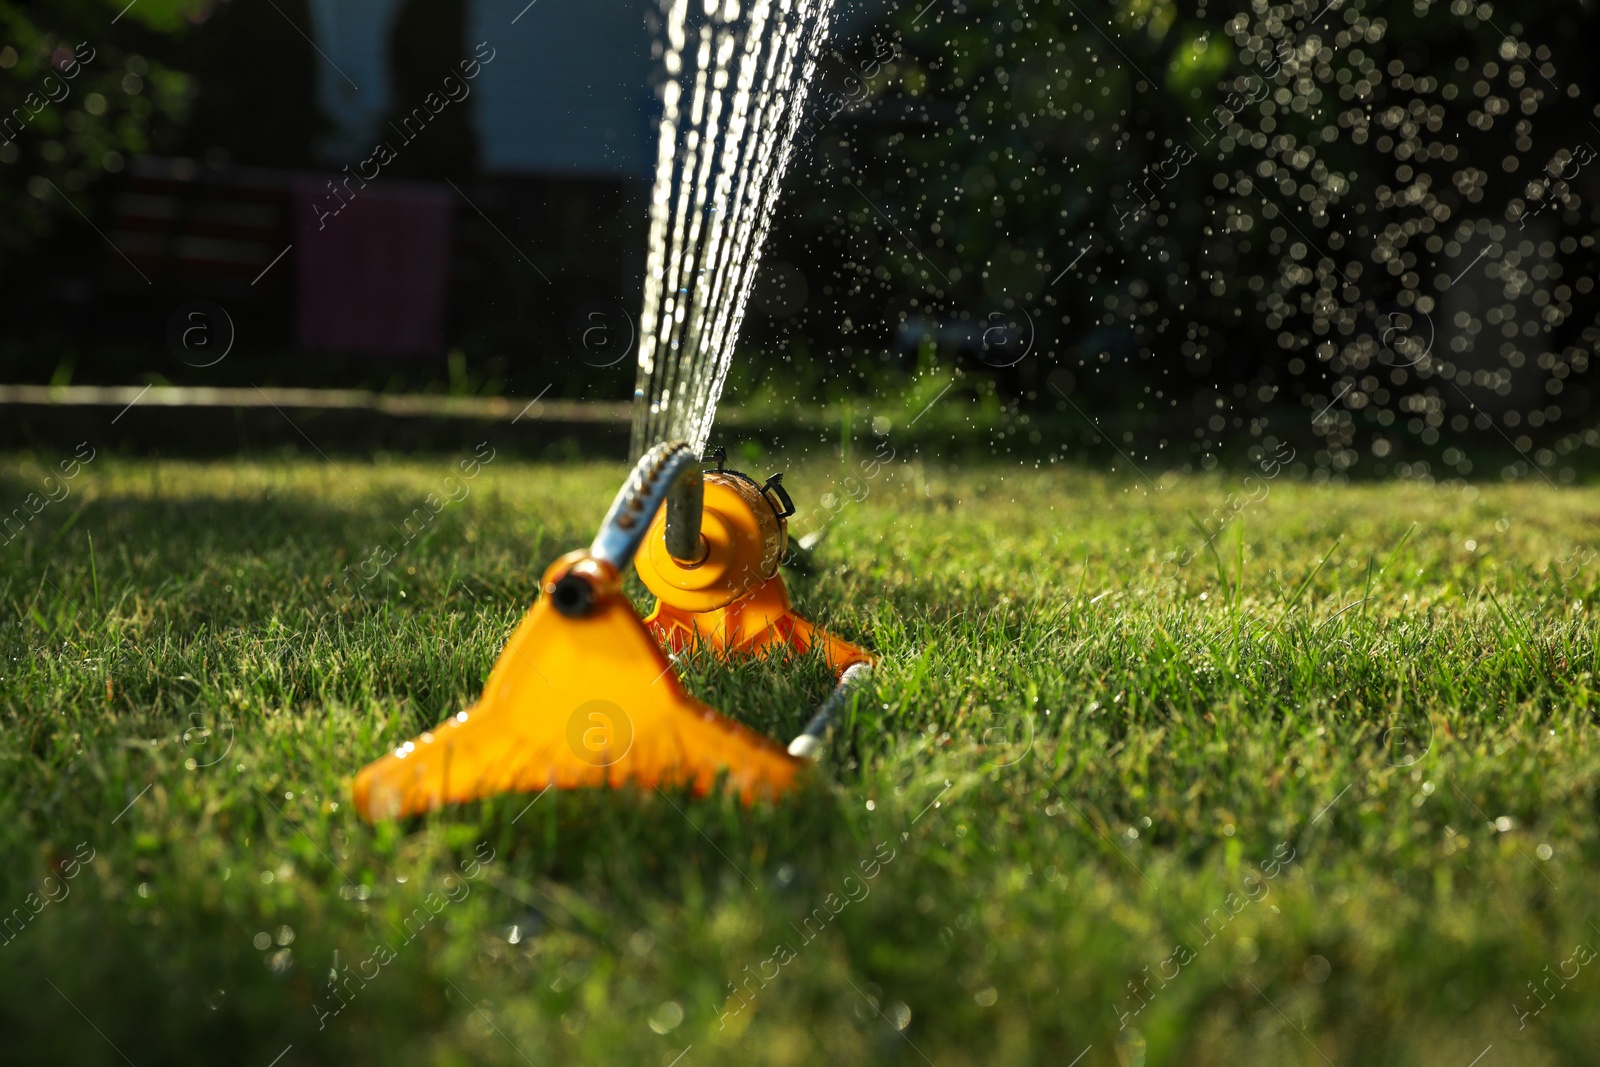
{"points": [[77, 99]]}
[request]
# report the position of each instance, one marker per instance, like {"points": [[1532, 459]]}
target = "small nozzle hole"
{"points": [[572, 596]]}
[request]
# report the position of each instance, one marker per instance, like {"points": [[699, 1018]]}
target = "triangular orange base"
{"points": [[585, 701]]}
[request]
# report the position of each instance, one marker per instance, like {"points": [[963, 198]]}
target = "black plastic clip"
{"points": [[774, 484]]}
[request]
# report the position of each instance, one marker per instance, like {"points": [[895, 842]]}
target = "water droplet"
{"points": [[667, 1017]]}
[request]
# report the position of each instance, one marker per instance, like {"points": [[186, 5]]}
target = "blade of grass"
{"points": [[94, 575], [1299, 592], [1510, 624], [1211, 546]]}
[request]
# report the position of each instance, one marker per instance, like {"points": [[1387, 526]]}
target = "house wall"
{"points": [[569, 91], [353, 79]]}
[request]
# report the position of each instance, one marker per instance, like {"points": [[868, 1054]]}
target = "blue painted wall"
{"points": [[567, 93], [569, 90]]}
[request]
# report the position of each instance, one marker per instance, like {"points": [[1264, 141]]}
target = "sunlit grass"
{"points": [[1270, 776]]}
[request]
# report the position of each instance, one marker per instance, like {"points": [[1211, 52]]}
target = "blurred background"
{"points": [[1134, 231]]}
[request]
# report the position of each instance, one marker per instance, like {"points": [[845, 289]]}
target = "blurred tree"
{"points": [[255, 80], [75, 103], [426, 45]]}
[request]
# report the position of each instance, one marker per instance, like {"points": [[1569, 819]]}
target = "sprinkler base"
{"points": [[581, 696], [759, 624]]}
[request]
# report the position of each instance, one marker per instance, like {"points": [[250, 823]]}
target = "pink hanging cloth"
{"points": [[371, 270]]}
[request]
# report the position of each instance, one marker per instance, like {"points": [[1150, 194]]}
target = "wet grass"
{"points": [[1324, 793]]}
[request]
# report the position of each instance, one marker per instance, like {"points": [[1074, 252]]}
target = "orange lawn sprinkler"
{"points": [[583, 695]]}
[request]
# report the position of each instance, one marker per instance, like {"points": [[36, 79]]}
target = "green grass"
{"points": [[1075, 751]]}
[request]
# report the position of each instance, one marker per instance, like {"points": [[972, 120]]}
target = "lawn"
{"points": [[1323, 791]]}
